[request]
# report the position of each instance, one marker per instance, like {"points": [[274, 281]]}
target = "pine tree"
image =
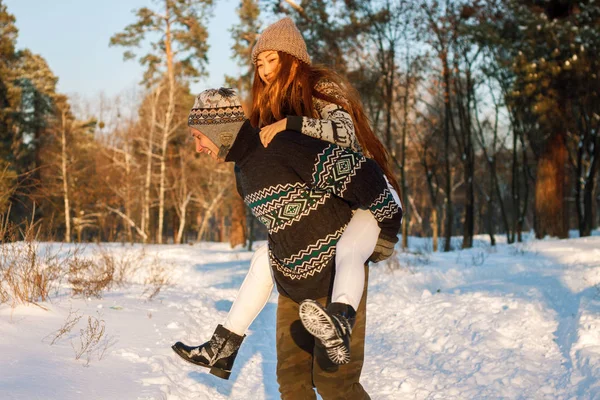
{"points": [[8, 38], [27, 97], [178, 54], [244, 35]]}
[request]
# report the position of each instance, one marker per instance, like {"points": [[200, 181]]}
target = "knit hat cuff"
{"points": [[215, 116]]}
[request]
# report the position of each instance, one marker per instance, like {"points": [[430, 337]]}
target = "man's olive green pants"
{"points": [[298, 371]]}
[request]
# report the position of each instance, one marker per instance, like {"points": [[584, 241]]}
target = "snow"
{"points": [[517, 321]]}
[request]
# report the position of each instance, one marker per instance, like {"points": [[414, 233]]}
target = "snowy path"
{"points": [[515, 322]]}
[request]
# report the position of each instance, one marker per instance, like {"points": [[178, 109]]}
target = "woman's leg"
{"points": [[352, 251], [253, 294]]}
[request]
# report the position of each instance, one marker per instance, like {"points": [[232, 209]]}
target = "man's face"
{"points": [[204, 145]]}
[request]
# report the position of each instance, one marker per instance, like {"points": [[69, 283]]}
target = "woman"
{"points": [[329, 110]]}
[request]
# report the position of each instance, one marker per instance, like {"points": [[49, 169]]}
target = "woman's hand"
{"points": [[267, 133]]}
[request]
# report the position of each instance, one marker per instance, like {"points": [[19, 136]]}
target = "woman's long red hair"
{"points": [[291, 93]]}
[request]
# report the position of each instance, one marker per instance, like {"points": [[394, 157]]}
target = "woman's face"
{"points": [[267, 63], [203, 144]]}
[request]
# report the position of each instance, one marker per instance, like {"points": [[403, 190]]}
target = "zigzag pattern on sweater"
{"points": [[284, 211], [274, 200], [384, 206], [335, 168], [309, 261], [271, 193]]}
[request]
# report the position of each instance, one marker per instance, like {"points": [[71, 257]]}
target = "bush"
{"points": [[89, 277], [25, 276]]}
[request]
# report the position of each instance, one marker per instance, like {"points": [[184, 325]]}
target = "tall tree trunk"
{"points": [[490, 206], [433, 192], [223, 227], [184, 199], [128, 190], [166, 127], [390, 99], [403, 184], [435, 227], [524, 204], [589, 190], [145, 224], [516, 195], [65, 177], [469, 167], [470, 204], [237, 235], [464, 141], [550, 207], [250, 222], [182, 219], [449, 214], [209, 212]]}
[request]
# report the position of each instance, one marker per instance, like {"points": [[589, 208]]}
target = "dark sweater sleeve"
{"points": [[344, 173]]}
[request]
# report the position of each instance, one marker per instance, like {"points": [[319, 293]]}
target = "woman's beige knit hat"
{"points": [[282, 35]]}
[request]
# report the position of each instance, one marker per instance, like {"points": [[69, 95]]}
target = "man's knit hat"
{"points": [[282, 35], [219, 115]]}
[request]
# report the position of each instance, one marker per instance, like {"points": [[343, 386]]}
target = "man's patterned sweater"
{"points": [[304, 190]]}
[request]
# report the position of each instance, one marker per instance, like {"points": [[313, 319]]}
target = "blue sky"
{"points": [[73, 36]]}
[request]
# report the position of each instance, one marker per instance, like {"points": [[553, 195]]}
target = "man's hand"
{"points": [[268, 132], [383, 250]]}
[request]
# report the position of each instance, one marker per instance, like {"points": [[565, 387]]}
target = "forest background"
{"points": [[490, 110]]}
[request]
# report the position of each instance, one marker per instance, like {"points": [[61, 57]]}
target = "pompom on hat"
{"points": [[218, 115], [284, 36]]}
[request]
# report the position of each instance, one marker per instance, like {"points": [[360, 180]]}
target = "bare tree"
{"points": [[180, 52]]}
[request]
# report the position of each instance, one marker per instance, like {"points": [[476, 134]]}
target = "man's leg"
{"points": [[294, 353], [345, 382]]}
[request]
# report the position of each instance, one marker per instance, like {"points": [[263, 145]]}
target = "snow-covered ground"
{"points": [[507, 322]]}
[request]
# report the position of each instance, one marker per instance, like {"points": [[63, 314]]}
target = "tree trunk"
{"points": [[490, 207], [65, 178], [182, 218], [223, 228], [182, 221], [526, 178], [237, 234], [464, 141], [550, 207], [166, 127], [250, 221], [469, 229], [209, 212], [435, 227], [449, 215], [145, 224], [516, 196], [403, 184], [390, 99], [589, 190], [128, 190], [503, 213], [470, 205]]}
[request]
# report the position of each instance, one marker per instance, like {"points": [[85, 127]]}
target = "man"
{"points": [[304, 191]]}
